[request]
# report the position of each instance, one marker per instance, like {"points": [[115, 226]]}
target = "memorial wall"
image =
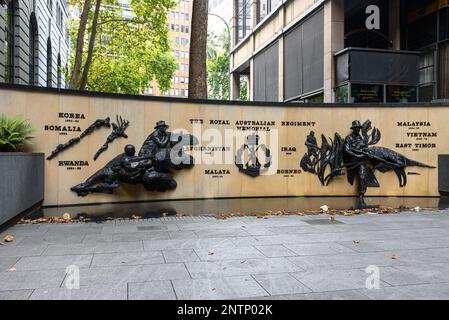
{"points": [[239, 150]]}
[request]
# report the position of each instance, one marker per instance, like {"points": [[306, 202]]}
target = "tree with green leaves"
{"points": [[117, 53], [218, 48], [218, 65]]}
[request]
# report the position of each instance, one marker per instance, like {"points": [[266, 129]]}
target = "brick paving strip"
{"points": [[275, 257]]}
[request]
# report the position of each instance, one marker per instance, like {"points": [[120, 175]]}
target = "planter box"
{"points": [[21, 183]]}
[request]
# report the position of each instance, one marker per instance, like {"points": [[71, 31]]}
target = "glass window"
{"points": [[367, 93], [49, 64], [342, 94], [401, 94], [9, 42], [426, 93], [426, 68], [265, 7], [243, 18], [33, 50]]}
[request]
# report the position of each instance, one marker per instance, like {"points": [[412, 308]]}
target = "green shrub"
{"points": [[14, 131]]}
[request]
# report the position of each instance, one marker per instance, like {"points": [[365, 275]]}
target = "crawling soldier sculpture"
{"points": [[161, 152]]}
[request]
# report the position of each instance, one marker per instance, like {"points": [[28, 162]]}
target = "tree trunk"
{"points": [[80, 46], [90, 50], [198, 47]]}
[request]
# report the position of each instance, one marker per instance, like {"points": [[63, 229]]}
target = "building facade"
{"points": [[179, 25], [341, 50], [34, 44]]}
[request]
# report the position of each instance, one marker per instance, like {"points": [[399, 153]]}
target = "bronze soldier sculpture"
{"points": [[161, 152], [358, 158], [357, 162]]}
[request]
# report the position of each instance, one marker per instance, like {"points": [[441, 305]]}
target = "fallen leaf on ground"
{"points": [[135, 217], [66, 216], [355, 241], [393, 257], [8, 238], [211, 253], [325, 208], [12, 269], [331, 219]]}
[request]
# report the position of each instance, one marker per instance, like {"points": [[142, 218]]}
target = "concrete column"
{"points": [[235, 86], [394, 12], [233, 24], [254, 6], [334, 30], [251, 80], [281, 69]]}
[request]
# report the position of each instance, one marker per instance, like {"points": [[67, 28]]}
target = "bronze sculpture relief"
{"points": [[161, 152], [252, 167], [357, 157]]}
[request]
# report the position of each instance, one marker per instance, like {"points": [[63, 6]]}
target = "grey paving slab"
{"points": [[427, 272], [436, 291], [301, 229], [275, 250], [282, 283], [87, 248], [333, 295], [333, 280], [127, 258], [17, 280], [398, 277], [213, 233], [22, 250], [116, 275], [135, 227], [211, 269], [113, 292], [231, 253], [206, 243], [218, 288], [417, 256], [182, 234], [15, 295], [54, 239], [136, 236], [397, 244], [7, 262], [187, 255], [53, 262], [217, 224], [313, 249], [344, 260], [259, 231], [330, 295], [25, 231], [152, 290], [97, 238], [281, 254]]}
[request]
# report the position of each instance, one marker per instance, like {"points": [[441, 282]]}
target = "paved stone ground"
{"points": [[288, 257]]}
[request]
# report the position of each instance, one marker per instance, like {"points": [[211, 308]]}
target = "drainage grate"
{"points": [[322, 221], [151, 228]]}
